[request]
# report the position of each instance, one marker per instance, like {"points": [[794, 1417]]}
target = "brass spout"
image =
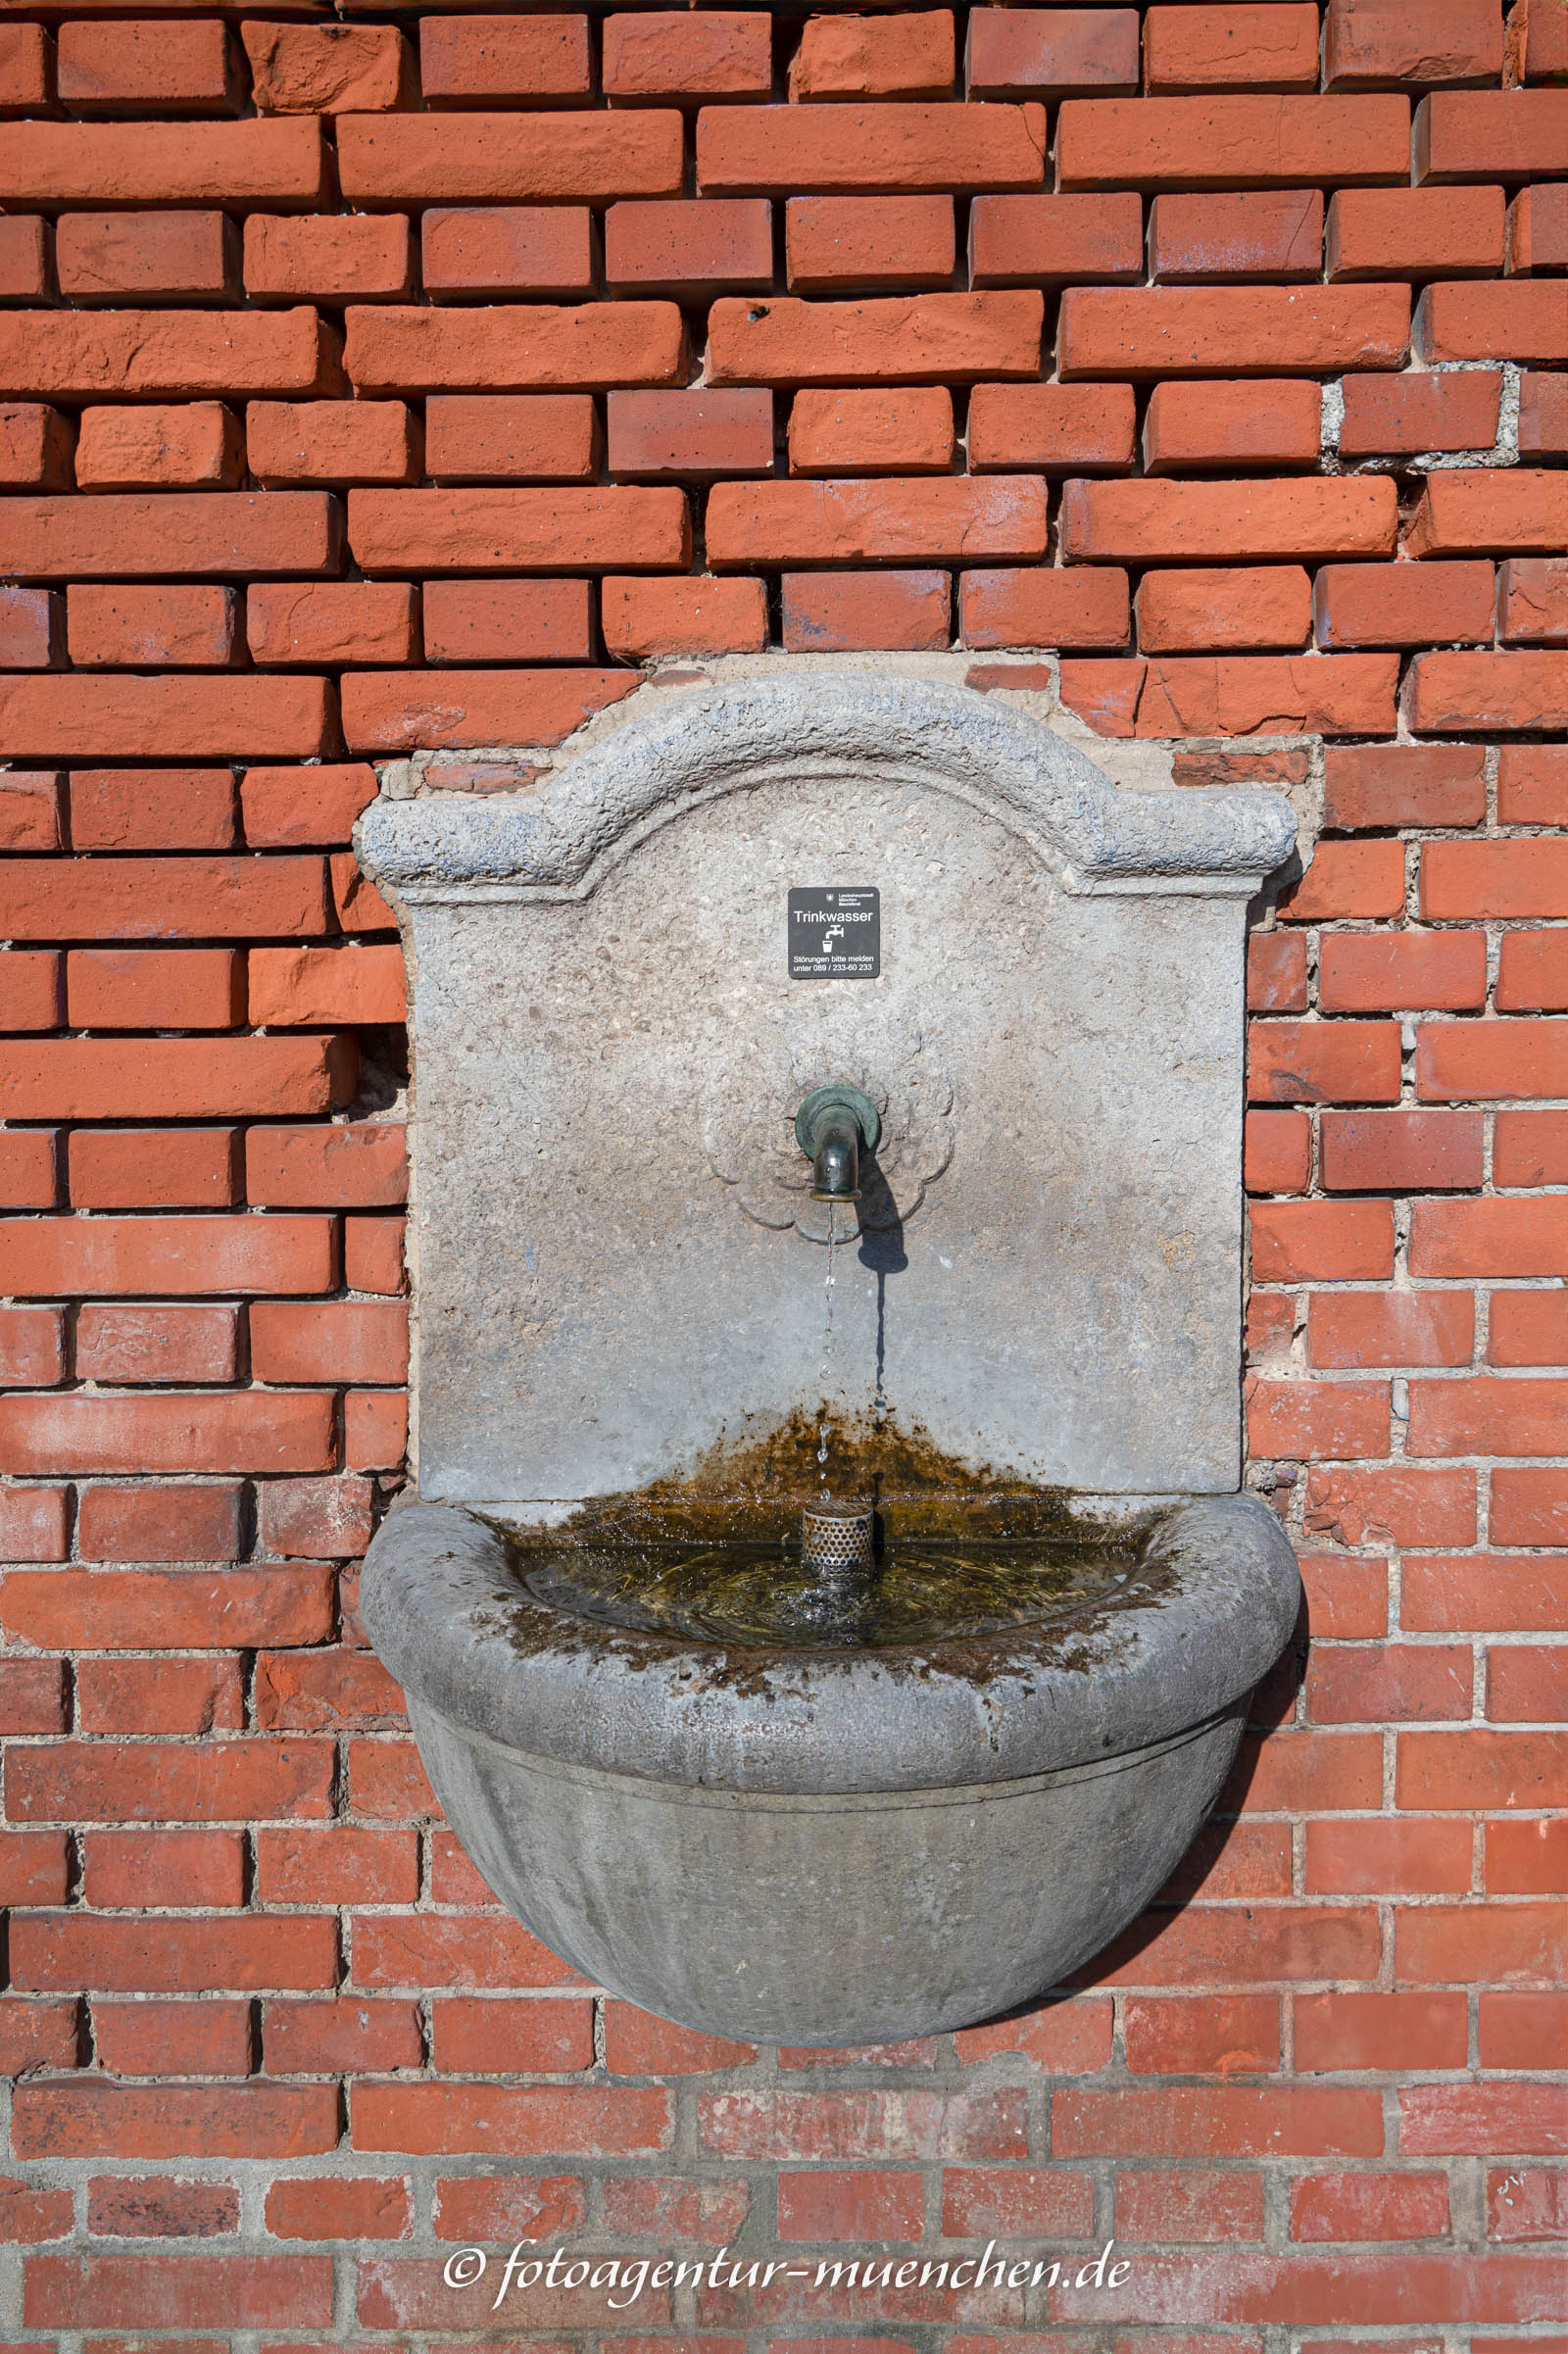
{"points": [[833, 1127]]}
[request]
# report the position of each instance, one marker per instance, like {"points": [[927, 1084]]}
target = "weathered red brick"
{"points": [[509, 530], [472, 62], [327, 70], [1472, 510], [289, 443], [1271, 48], [1182, 611], [749, 151], [489, 251], [643, 620], [1054, 428], [1209, 142], [920, 338], [701, 434], [833, 244], [542, 437], [1403, 415], [720, 54], [1415, 233], [507, 158], [855, 612], [1043, 607], [182, 258], [326, 257], [1051, 53], [197, 446], [692, 250], [1402, 605], [1226, 521], [889, 521], [1251, 233], [1490, 134], [907, 431], [1372, 787]]}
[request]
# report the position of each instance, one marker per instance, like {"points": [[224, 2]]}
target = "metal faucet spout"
{"points": [[833, 1127]]}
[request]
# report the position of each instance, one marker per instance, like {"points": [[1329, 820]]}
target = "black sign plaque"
{"points": [[836, 935]]}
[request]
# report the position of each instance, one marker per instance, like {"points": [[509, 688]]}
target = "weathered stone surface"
{"points": [[603, 1025]]}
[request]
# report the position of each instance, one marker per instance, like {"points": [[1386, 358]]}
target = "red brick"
{"points": [[1528, 1328], [182, 989], [357, 904], [1398, 414], [31, 993], [543, 2207], [851, 612], [1192, 49], [354, 2208], [1058, 428], [667, 55], [874, 433], [1233, 2120], [33, 1525], [313, 2039], [1522, 1238], [151, 2207], [1530, 1148], [500, 349], [196, 2291], [157, 1343], [691, 250], [230, 1780], [1383, 233], [1311, 1062], [539, 61], [175, 354], [1251, 234], [1542, 416], [1400, 1151], [1489, 1417], [1309, 1421], [36, 445], [908, 339], [26, 69], [1527, 2203], [28, 1174], [146, 257], [1397, 1856], [1224, 2035], [858, 241], [41, 2034], [1064, 2038], [1515, 2028], [698, 434], [486, 251], [151, 1955], [1043, 606], [910, 56], [96, 717], [316, 1519], [1051, 53], [159, 1524], [1370, 972], [148, 1168], [215, 533], [331, 621], [516, 2120], [519, 530], [1226, 521], [336, 1866], [30, 632], [835, 2205], [1473, 511], [327, 258], [1353, 879], [343, 1341], [1529, 1508], [1278, 1154], [327, 70], [1240, 695], [904, 150], [826, 524], [1482, 1942], [24, 258], [1180, 612], [863, 2124], [1479, 1768], [181, 1869], [1275, 975], [546, 437], [1527, 1684], [32, 1347], [31, 811], [1011, 2202], [32, 1696], [1463, 321], [1261, 330], [512, 620], [643, 620], [330, 441], [1402, 605], [183, 1256], [1394, 1683], [113, 1078], [284, 807], [1189, 2205], [1369, 2206], [1533, 601], [391, 711], [508, 158], [1451, 694], [375, 1430], [1488, 1059], [170, 1431], [1209, 142], [1490, 134], [1526, 1858], [1532, 784], [197, 446], [1375, 787], [1322, 1242], [132, 68], [157, 2038], [1374, 44], [152, 808]]}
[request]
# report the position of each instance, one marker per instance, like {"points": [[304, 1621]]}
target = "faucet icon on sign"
{"points": [[834, 932]]}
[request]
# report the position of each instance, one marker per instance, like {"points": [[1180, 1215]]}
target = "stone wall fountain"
{"points": [[804, 990]]}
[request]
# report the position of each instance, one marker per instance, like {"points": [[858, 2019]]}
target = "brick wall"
{"points": [[1210, 351]]}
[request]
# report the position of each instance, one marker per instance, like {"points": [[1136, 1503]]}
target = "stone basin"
{"points": [[831, 1846]]}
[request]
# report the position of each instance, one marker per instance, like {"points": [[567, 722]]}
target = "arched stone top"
{"points": [[700, 744]]}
